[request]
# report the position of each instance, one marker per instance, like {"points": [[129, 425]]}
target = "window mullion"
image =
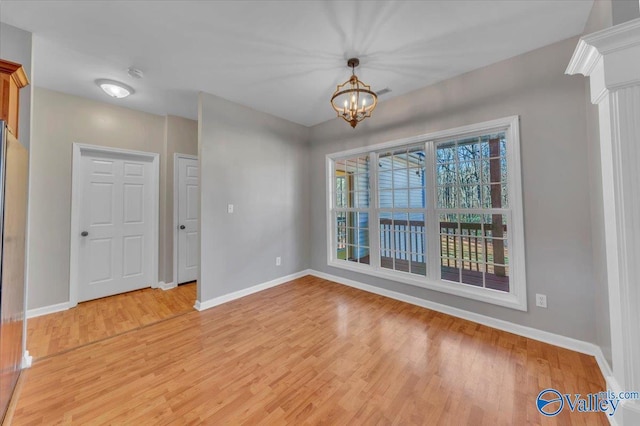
{"points": [[432, 231], [374, 213]]}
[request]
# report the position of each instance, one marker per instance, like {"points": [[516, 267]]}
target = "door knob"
{"points": [[182, 226], [84, 233]]}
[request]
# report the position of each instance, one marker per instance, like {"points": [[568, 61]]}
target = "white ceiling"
{"points": [[281, 57]]}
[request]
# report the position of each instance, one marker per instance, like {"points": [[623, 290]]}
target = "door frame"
{"points": [[76, 186], [176, 159]]}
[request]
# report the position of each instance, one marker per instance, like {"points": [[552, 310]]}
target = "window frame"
{"points": [[516, 297]]}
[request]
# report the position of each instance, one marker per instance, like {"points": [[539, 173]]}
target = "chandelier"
{"points": [[353, 100]]}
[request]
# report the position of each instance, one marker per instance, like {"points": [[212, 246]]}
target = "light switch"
{"points": [[230, 208]]}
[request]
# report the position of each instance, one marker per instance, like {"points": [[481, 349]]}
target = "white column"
{"points": [[611, 58]]}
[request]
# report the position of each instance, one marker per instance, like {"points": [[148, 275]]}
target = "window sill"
{"points": [[495, 297]]}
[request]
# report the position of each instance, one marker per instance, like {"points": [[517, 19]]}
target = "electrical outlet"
{"points": [[278, 261], [541, 300], [229, 208]]}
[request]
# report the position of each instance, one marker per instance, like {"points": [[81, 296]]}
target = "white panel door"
{"points": [[116, 217], [188, 211]]}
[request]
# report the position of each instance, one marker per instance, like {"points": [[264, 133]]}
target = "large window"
{"points": [[440, 211]]}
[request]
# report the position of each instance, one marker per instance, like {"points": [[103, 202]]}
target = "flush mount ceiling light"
{"points": [[353, 100], [115, 89]]}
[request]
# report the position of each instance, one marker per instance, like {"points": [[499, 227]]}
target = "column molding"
{"points": [[611, 60]]}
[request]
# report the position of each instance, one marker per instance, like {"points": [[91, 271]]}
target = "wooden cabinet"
{"points": [[12, 79]]}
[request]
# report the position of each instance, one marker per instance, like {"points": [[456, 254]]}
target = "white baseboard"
{"points": [[521, 330], [166, 286], [605, 368], [201, 306], [27, 360], [45, 310]]}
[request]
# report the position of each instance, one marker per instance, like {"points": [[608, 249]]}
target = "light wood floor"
{"points": [[307, 352], [98, 319]]}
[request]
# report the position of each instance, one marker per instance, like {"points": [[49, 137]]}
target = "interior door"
{"points": [[188, 212], [116, 219]]}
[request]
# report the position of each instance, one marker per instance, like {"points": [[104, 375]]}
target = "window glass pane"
{"points": [[417, 198], [400, 219], [470, 196], [503, 170], [362, 199], [447, 174], [418, 267], [351, 250], [472, 273], [351, 165], [360, 182], [416, 221], [385, 161], [450, 246], [446, 152], [416, 178], [505, 195], [497, 277], [469, 172], [447, 197], [401, 198], [385, 179], [493, 170], [495, 225], [363, 220], [341, 236], [400, 158], [448, 221], [417, 245], [449, 270], [469, 149], [352, 199], [385, 199], [495, 196], [400, 178], [386, 217], [363, 165], [416, 153], [386, 259]]}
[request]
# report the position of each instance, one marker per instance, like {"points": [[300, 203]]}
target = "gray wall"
{"points": [[59, 120], [625, 10], [181, 137], [15, 46], [555, 168], [600, 18], [259, 163]]}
